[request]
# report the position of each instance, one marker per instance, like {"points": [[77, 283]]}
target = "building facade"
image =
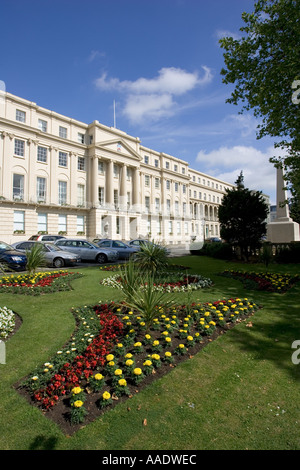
{"points": [[62, 176]]}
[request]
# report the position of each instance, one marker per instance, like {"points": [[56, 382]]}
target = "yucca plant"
{"points": [[138, 293], [151, 258], [35, 258]]}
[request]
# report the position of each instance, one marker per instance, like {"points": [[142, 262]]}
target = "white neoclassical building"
{"points": [[62, 176]]}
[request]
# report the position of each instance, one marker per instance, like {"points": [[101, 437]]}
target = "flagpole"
{"points": [[114, 113]]}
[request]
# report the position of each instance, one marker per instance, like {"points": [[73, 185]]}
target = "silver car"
{"points": [[123, 250], [54, 256], [87, 250]]}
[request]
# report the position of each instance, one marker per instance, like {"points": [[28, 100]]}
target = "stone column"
{"points": [[94, 182], [135, 188], [123, 194], [109, 188]]}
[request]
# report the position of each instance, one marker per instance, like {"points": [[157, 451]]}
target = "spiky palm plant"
{"points": [[35, 258]]}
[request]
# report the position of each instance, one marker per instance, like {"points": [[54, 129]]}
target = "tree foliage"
{"points": [[242, 217], [264, 65]]}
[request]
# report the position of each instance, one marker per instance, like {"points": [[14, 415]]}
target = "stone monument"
{"points": [[283, 229]]}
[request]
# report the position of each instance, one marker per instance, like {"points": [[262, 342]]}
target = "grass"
{"points": [[240, 392]]}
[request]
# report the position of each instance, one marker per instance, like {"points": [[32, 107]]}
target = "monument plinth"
{"points": [[283, 229]]}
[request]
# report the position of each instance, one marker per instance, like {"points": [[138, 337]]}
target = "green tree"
{"points": [[242, 217], [264, 66]]}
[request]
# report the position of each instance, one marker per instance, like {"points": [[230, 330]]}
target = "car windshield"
{"points": [[5, 247], [52, 247]]}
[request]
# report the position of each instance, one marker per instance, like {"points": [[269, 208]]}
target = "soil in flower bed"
{"points": [[60, 413]]}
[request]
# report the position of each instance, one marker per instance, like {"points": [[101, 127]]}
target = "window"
{"points": [[176, 208], [116, 198], [81, 163], [100, 167], [156, 183], [147, 180], [178, 228], [167, 165], [116, 171], [20, 116], [117, 225], [42, 222], [41, 189], [101, 195], [80, 195], [170, 227], [157, 204], [19, 147], [183, 170], [158, 227], [80, 224], [80, 138], [175, 167], [156, 163], [200, 195], [62, 223], [19, 221], [62, 132], [186, 228], [18, 186], [184, 208], [42, 154], [42, 125], [62, 192], [168, 184], [147, 203], [146, 159], [168, 206], [62, 159], [176, 187], [184, 188], [195, 194], [128, 173]]}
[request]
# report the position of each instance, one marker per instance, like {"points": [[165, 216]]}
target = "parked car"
{"points": [[45, 238], [87, 250], [12, 258], [54, 256], [124, 250], [140, 242]]}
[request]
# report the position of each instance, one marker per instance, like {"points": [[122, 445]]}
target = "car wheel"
{"points": [[101, 258], [58, 263]]}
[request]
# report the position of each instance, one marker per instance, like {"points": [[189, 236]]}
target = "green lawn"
{"points": [[240, 392]]}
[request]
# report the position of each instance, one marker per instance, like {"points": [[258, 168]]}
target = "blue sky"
{"points": [[158, 60]]}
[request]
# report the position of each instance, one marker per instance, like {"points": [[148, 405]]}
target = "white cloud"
{"points": [[170, 80], [152, 106], [153, 98], [94, 54], [226, 163]]}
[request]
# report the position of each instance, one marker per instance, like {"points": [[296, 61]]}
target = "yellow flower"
{"points": [[190, 338], [78, 403], [129, 362], [106, 396], [98, 376], [122, 382], [137, 371], [168, 354], [76, 390], [147, 363], [109, 357]]}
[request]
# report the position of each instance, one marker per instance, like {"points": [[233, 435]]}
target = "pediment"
{"points": [[119, 146]]}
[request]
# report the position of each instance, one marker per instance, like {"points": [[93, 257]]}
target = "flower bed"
{"points": [[7, 322], [111, 355], [179, 283], [37, 283], [272, 282]]}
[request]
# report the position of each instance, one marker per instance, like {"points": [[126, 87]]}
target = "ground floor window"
{"points": [[80, 224], [42, 222], [19, 221]]}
